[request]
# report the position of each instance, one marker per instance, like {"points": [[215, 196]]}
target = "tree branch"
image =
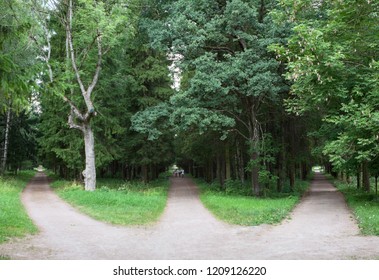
{"points": [[242, 43], [98, 66], [71, 47], [74, 109], [86, 51], [240, 133], [72, 124], [237, 118], [219, 48], [45, 57]]}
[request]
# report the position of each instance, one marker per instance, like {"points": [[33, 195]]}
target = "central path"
{"points": [[320, 227]]}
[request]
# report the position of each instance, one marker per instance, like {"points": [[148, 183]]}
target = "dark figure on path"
{"points": [[176, 173]]}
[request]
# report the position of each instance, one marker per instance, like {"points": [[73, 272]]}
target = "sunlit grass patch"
{"points": [[248, 210], [243, 209], [3, 257], [364, 205], [117, 201], [14, 222]]}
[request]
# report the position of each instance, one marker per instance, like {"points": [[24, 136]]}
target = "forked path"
{"points": [[320, 227]]}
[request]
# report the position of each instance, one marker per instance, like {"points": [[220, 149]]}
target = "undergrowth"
{"points": [[235, 204], [117, 201], [364, 205]]}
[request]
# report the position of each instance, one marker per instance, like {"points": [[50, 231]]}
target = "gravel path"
{"points": [[320, 227]]}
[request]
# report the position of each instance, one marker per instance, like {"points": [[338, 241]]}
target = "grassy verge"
{"points": [[236, 206], [14, 222], [117, 201], [364, 205]]}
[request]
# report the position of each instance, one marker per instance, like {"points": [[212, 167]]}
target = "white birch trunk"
{"points": [[85, 118], [6, 141], [90, 172], [78, 119]]}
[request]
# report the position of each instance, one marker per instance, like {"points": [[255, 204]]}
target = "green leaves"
{"points": [[152, 121], [223, 46], [330, 58], [110, 19], [17, 56]]}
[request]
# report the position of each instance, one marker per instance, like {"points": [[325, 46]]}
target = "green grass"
{"points": [[364, 205], [116, 201], [14, 222], [240, 208]]}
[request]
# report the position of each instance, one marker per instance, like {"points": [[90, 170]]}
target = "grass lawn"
{"points": [[14, 222], [242, 209], [116, 201], [364, 205]]}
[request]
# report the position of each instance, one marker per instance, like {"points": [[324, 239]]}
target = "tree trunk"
{"points": [[304, 170], [235, 166], [190, 167], [292, 153], [282, 161], [254, 139], [292, 174], [240, 163], [228, 169], [219, 171], [90, 172], [358, 179], [280, 170], [6, 140], [222, 171], [150, 173], [211, 171], [145, 174], [255, 175], [132, 173], [218, 168], [348, 178], [365, 176]]}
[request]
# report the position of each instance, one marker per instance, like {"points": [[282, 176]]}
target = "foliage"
{"points": [[332, 61], [221, 51], [58, 145], [17, 56], [225, 57], [133, 77], [233, 118], [22, 150]]}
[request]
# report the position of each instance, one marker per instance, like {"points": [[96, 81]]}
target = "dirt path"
{"points": [[321, 227]]}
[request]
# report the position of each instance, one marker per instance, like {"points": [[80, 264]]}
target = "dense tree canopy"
{"points": [[232, 84], [18, 73], [333, 62], [247, 91]]}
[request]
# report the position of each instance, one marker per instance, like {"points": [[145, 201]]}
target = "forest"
{"points": [[247, 91]]}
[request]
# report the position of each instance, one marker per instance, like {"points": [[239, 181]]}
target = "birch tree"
{"points": [[6, 140], [91, 29]]}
